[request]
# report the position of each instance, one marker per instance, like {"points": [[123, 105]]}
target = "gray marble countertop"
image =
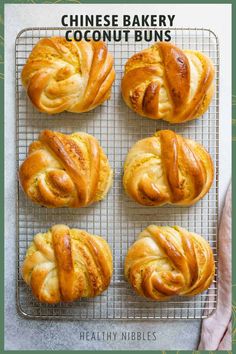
{"points": [[23, 334]]}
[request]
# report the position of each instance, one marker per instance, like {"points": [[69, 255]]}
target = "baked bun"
{"points": [[66, 264], [65, 170], [165, 82], [68, 76], [167, 168], [167, 261]]}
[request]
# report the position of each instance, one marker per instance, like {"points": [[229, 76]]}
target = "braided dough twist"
{"points": [[68, 76], [66, 264], [168, 261], [65, 170], [165, 82], [167, 168]]}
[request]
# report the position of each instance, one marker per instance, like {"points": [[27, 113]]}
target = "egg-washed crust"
{"points": [[167, 169], [68, 76], [66, 264], [65, 170], [169, 261], [165, 82]]}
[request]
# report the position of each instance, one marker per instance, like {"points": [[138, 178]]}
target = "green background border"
{"points": [[2, 2]]}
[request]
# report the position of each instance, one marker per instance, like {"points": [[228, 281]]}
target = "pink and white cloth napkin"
{"points": [[216, 329]]}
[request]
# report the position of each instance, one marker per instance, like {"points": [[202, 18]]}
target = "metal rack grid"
{"points": [[117, 218]]}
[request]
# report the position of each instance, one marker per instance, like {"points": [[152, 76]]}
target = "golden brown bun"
{"points": [[167, 261], [167, 168], [165, 82], [66, 264], [65, 170], [68, 76]]}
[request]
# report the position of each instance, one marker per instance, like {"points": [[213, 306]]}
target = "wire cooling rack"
{"points": [[117, 218]]}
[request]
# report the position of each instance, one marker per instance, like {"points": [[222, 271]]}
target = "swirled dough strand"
{"points": [[168, 261], [65, 170], [165, 82], [68, 76], [66, 264], [167, 169]]}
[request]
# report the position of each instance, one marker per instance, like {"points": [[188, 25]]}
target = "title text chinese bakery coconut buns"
{"points": [[66, 264], [165, 82], [167, 261], [167, 169], [68, 76], [65, 170]]}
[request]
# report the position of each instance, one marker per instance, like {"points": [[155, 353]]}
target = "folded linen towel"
{"points": [[216, 329]]}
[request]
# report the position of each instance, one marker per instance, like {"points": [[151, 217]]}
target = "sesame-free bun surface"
{"points": [[169, 261], [165, 82], [65, 170], [66, 264], [167, 169], [68, 76]]}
